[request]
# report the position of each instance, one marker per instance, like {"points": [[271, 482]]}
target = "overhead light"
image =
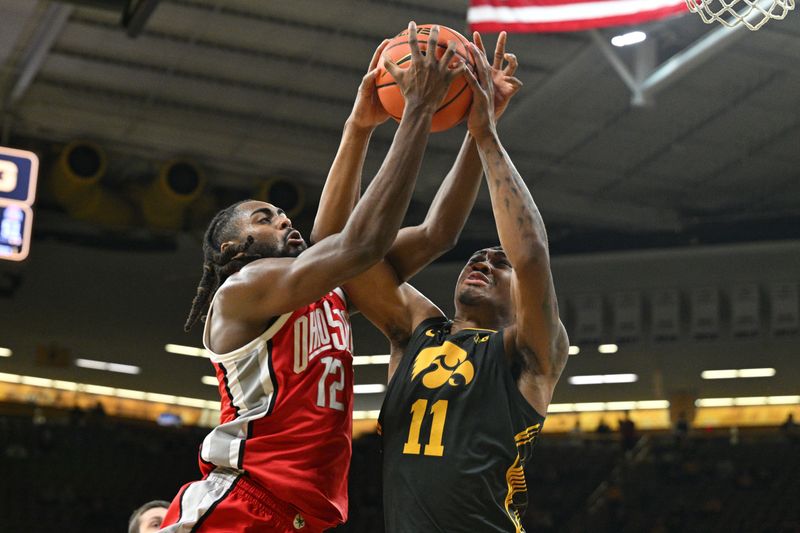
{"points": [[620, 378], [186, 350], [366, 415], [130, 394], [719, 374], [371, 360], [714, 402], [652, 404], [560, 408], [620, 406], [191, 402], [627, 39], [607, 406], [99, 389], [590, 406], [756, 372], [783, 400], [65, 385], [598, 379], [751, 400], [210, 380], [5, 352], [748, 400], [108, 367], [36, 382], [608, 348], [161, 398], [103, 390], [372, 388], [741, 373], [574, 350]]}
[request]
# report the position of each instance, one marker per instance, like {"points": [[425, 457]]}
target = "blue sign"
{"points": [[16, 221], [19, 170]]}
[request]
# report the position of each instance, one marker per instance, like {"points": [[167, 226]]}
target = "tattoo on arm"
{"points": [[523, 236]]}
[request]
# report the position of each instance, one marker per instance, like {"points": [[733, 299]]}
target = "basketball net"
{"points": [[751, 13]]}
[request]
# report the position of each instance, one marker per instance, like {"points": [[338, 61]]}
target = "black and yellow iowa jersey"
{"points": [[457, 435]]}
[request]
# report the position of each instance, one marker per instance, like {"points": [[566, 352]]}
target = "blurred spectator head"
{"points": [[148, 517]]}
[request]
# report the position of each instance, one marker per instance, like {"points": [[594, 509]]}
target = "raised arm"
{"points": [[270, 287], [417, 246], [343, 184], [538, 337]]}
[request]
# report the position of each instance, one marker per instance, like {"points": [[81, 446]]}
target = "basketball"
{"points": [[455, 106]]}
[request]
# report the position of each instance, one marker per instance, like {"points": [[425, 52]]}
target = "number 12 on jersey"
{"points": [[434, 447]]}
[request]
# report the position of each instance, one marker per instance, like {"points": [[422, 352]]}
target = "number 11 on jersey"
{"points": [[434, 447]]}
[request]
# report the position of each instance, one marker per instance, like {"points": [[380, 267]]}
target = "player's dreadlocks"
{"points": [[218, 265]]}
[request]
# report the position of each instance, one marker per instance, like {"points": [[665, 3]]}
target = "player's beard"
{"points": [[471, 297], [262, 249], [274, 248], [293, 251]]}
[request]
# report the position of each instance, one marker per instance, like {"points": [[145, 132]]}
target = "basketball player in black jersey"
{"points": [[467, 396]]}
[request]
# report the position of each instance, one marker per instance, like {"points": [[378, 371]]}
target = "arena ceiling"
{"points": [[252, 89]]}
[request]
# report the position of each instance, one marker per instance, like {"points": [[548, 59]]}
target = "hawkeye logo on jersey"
{"points": [[443, 365], [480, 338], [319, 330]]}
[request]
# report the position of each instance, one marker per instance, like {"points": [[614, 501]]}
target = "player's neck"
{"points": [[474, 321]]}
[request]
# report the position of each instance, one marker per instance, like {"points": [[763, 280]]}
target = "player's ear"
{"points": [[225, 245]]}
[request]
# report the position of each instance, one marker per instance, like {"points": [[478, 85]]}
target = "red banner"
{"points": [[522, 16]]}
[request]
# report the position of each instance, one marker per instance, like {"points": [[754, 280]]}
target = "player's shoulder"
{"points": [[255, 274]]}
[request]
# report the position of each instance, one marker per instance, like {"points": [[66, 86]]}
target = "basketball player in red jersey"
{"points": [[278, 332], [486, 375]]}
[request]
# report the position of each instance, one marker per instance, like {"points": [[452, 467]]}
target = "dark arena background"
{"points": [[667, 172]]}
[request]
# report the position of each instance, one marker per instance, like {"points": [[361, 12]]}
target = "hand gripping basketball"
{"points": [[367, 111], [413, 75]]}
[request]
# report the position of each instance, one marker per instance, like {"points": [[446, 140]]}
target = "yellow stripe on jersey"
{"points": [[515, 478], [515, 475], [528, 435]]}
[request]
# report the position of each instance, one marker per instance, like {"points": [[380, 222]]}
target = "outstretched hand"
{"points": [[368, 113], [482, 118], [505, 84], [427, 79]]}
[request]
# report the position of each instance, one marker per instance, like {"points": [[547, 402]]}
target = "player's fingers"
{"points": [[481, 65], [369, 77], [376, 56], [444, 62], [478, 40], [391, 66], [472, 81], [413, 42], [511, 68], [500, 50], [456, 71], [514, 82], [433, 42]]}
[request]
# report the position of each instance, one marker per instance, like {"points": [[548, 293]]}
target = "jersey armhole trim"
{"points": [[338, 291], [428, 322], [247, 348]]}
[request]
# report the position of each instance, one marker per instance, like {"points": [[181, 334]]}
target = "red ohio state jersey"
{"points": [[286, 409]]}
